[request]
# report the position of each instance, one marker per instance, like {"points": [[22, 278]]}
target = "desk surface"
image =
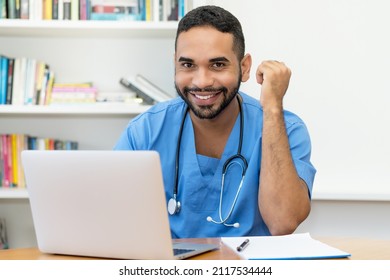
{"points": [[360, 248]]}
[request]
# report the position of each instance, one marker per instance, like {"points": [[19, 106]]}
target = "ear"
{"points": [[246, 64]]}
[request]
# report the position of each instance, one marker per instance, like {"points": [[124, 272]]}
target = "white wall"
{"points": [[338, 51]]}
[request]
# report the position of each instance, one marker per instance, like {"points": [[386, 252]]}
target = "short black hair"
{"points": [[218, 18]]}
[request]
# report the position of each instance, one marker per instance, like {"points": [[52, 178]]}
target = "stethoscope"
{"points": [[174, 205]]}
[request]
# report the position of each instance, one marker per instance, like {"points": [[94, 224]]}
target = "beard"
{"points": [[209, 111]]}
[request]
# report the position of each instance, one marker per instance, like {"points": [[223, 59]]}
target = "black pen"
{"points": [[243, 245]]}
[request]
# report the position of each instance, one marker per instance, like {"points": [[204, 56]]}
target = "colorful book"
{"points": [[84, 9], [5, 157], [47, 9], [14, 161], [3, 79]]}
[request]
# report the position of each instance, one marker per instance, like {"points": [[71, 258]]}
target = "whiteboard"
{"points": [[339, 54]]}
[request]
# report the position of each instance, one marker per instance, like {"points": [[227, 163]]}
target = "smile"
{"points": [[204, 97]]}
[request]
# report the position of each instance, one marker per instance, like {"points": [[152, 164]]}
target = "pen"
{"points": [[243, 245]]}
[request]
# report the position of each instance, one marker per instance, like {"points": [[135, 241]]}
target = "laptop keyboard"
{"points": [[177, 251]]}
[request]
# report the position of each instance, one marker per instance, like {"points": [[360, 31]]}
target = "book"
{"points": [[29, 90], [5, 158], [159, 94], [11, 9], [73, 93], [115, 10], [141, 94], [67, 11], [3, 9], [84, 9], [49, 88], [145, 89], [47, 9], [39, 79], [4, 61], [60, 10], [14, 161], [75, 10], [18, 82], [284, 247], [24, 9], [115, 16], [1, 163], [10, 80], [43, 91], [55, 9]]}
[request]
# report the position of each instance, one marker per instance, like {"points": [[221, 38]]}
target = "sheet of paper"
{"points": [[293, 246]]}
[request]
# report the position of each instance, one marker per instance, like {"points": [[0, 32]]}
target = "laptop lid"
{"points": [[100, 203]]}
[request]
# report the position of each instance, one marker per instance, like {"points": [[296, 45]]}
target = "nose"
{"points": [[203, 78]]}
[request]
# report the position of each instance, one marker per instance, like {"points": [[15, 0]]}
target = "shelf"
{"points": [[87, 28], [9, 193], [75, 109]]}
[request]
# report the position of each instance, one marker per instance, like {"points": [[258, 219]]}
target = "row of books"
{"points": [[25, 81], [139, 10], [79, 93], [11, 145]]}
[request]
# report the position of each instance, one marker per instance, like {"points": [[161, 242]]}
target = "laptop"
{"points": [[108, 204]]}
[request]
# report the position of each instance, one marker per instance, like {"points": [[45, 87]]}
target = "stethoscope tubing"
{"points": [[229, 162]]}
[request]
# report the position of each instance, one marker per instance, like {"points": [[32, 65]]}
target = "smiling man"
{"points": [[232, 165]]}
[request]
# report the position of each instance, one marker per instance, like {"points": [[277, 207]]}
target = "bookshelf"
{"points": [[73, 110], [86, 29], [98, 51]]}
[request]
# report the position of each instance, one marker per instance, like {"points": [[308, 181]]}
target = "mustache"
{"points": [[207, 89]]}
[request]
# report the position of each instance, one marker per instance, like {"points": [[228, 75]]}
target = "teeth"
{"points": [[204, 97]]}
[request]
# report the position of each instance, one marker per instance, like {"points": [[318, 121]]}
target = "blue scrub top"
{"points": [[200, 177]]}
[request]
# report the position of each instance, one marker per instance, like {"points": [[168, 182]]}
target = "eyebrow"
{"points": [[186, 59], [216, 59]]}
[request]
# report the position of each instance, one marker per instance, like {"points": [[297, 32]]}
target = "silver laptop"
{"points": [[107, 204]]}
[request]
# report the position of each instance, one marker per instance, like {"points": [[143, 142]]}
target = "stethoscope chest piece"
{"points": [[173, 206]]}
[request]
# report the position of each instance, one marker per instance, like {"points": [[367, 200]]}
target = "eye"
{"points": [[187, 65], [218, 65]]}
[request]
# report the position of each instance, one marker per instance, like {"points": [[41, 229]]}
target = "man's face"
{"points": [[207, 71]]}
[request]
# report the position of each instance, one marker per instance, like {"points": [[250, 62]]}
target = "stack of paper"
{"points": [[293, 246]]}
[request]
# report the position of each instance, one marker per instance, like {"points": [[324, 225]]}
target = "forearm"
{"points": [[283, 197]]}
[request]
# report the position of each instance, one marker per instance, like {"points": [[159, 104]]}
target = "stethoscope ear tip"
{"points": [[236, 225], [209, 219]]}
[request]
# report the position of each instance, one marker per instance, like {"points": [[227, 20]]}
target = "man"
{"points": [[266, 151]]}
